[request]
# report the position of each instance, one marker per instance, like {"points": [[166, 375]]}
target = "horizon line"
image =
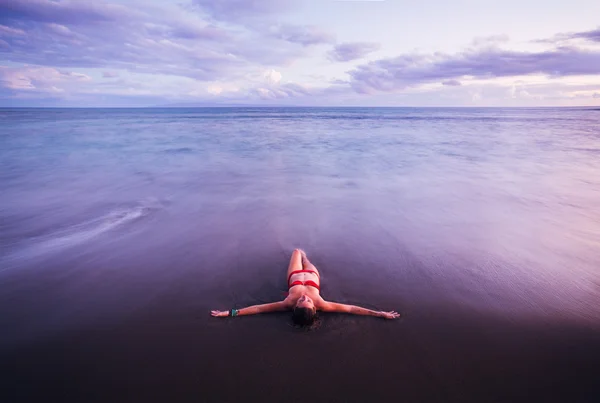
{"points": [[592, 107]]}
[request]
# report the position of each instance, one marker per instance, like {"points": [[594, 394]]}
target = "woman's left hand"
{"points": [[219, 313], [390, 315]]}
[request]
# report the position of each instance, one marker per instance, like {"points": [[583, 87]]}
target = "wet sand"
{"points": [[157, 342]]}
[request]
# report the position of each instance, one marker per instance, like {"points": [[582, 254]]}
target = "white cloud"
{"points": [[38, 78], [272, 76], [8, 31], [214, 89], [60, 29], [264, 93], [77, 76], [217, 88], [486, 41]]}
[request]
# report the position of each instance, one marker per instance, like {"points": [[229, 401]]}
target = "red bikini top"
{"points": [[307, 282]]}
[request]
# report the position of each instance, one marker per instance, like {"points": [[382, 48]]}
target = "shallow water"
{"points": [[118, 218]]}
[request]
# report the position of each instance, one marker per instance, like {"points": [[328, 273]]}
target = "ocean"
{"points": [[120, 229]]}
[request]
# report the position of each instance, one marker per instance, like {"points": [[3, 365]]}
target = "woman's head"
{"points": [[304, 311]]}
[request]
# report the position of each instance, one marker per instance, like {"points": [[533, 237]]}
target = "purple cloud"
{"points": [[102, 48], [234, 10], [410, 70], [154, 39], [182, 29], [345, 52], [258, 16], [304, 35], [483, 41], [226, 44], [596, 95], [39, 79], [71, 12], [593, 35], [290, 90], [451, 83], [165, 41], [210, 32], [8, 31]]}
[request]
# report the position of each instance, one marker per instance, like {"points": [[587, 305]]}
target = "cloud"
{"points": [[153, 41], [71, 12], [138, 53], [195, 32], [182, 29], [8, 31], [476, 96], [345, 52], [305, 35], [157, 38], [42, 79], [272, 76], [451, 83], [593, 35], [221, 50], [483, 41], [596, 95], [235, 10], [262, 17], [214, 89], [517, 91], [60, 29], [289, 90], [404, 71]]}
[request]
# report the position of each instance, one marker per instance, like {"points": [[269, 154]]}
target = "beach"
{"points": [[122, 228]]}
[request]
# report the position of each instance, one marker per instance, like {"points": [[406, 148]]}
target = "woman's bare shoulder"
{"points": [[320, 303], [290, 301]]}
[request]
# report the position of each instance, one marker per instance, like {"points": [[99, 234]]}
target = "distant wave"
{"points": [[182, 150], [83, 232], [380, 117]]}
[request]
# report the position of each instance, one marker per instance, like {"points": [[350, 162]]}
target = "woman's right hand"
{"points": [[219, 314]]}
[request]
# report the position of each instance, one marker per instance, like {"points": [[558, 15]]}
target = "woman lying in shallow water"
{"points": [[303, 298]]}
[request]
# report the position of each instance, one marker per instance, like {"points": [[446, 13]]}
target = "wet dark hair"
{"points": [[303, 316]]}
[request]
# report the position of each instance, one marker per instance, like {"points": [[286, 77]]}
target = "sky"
{"points": [[120, 53]]}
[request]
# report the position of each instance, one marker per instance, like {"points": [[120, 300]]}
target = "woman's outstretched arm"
{"points": [[357, 310], [254, 309]]}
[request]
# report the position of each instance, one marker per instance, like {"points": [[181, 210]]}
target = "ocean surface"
{"points": [[120, 229]]}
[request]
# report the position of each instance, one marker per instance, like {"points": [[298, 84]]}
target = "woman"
{"points": [[303, 297]]}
